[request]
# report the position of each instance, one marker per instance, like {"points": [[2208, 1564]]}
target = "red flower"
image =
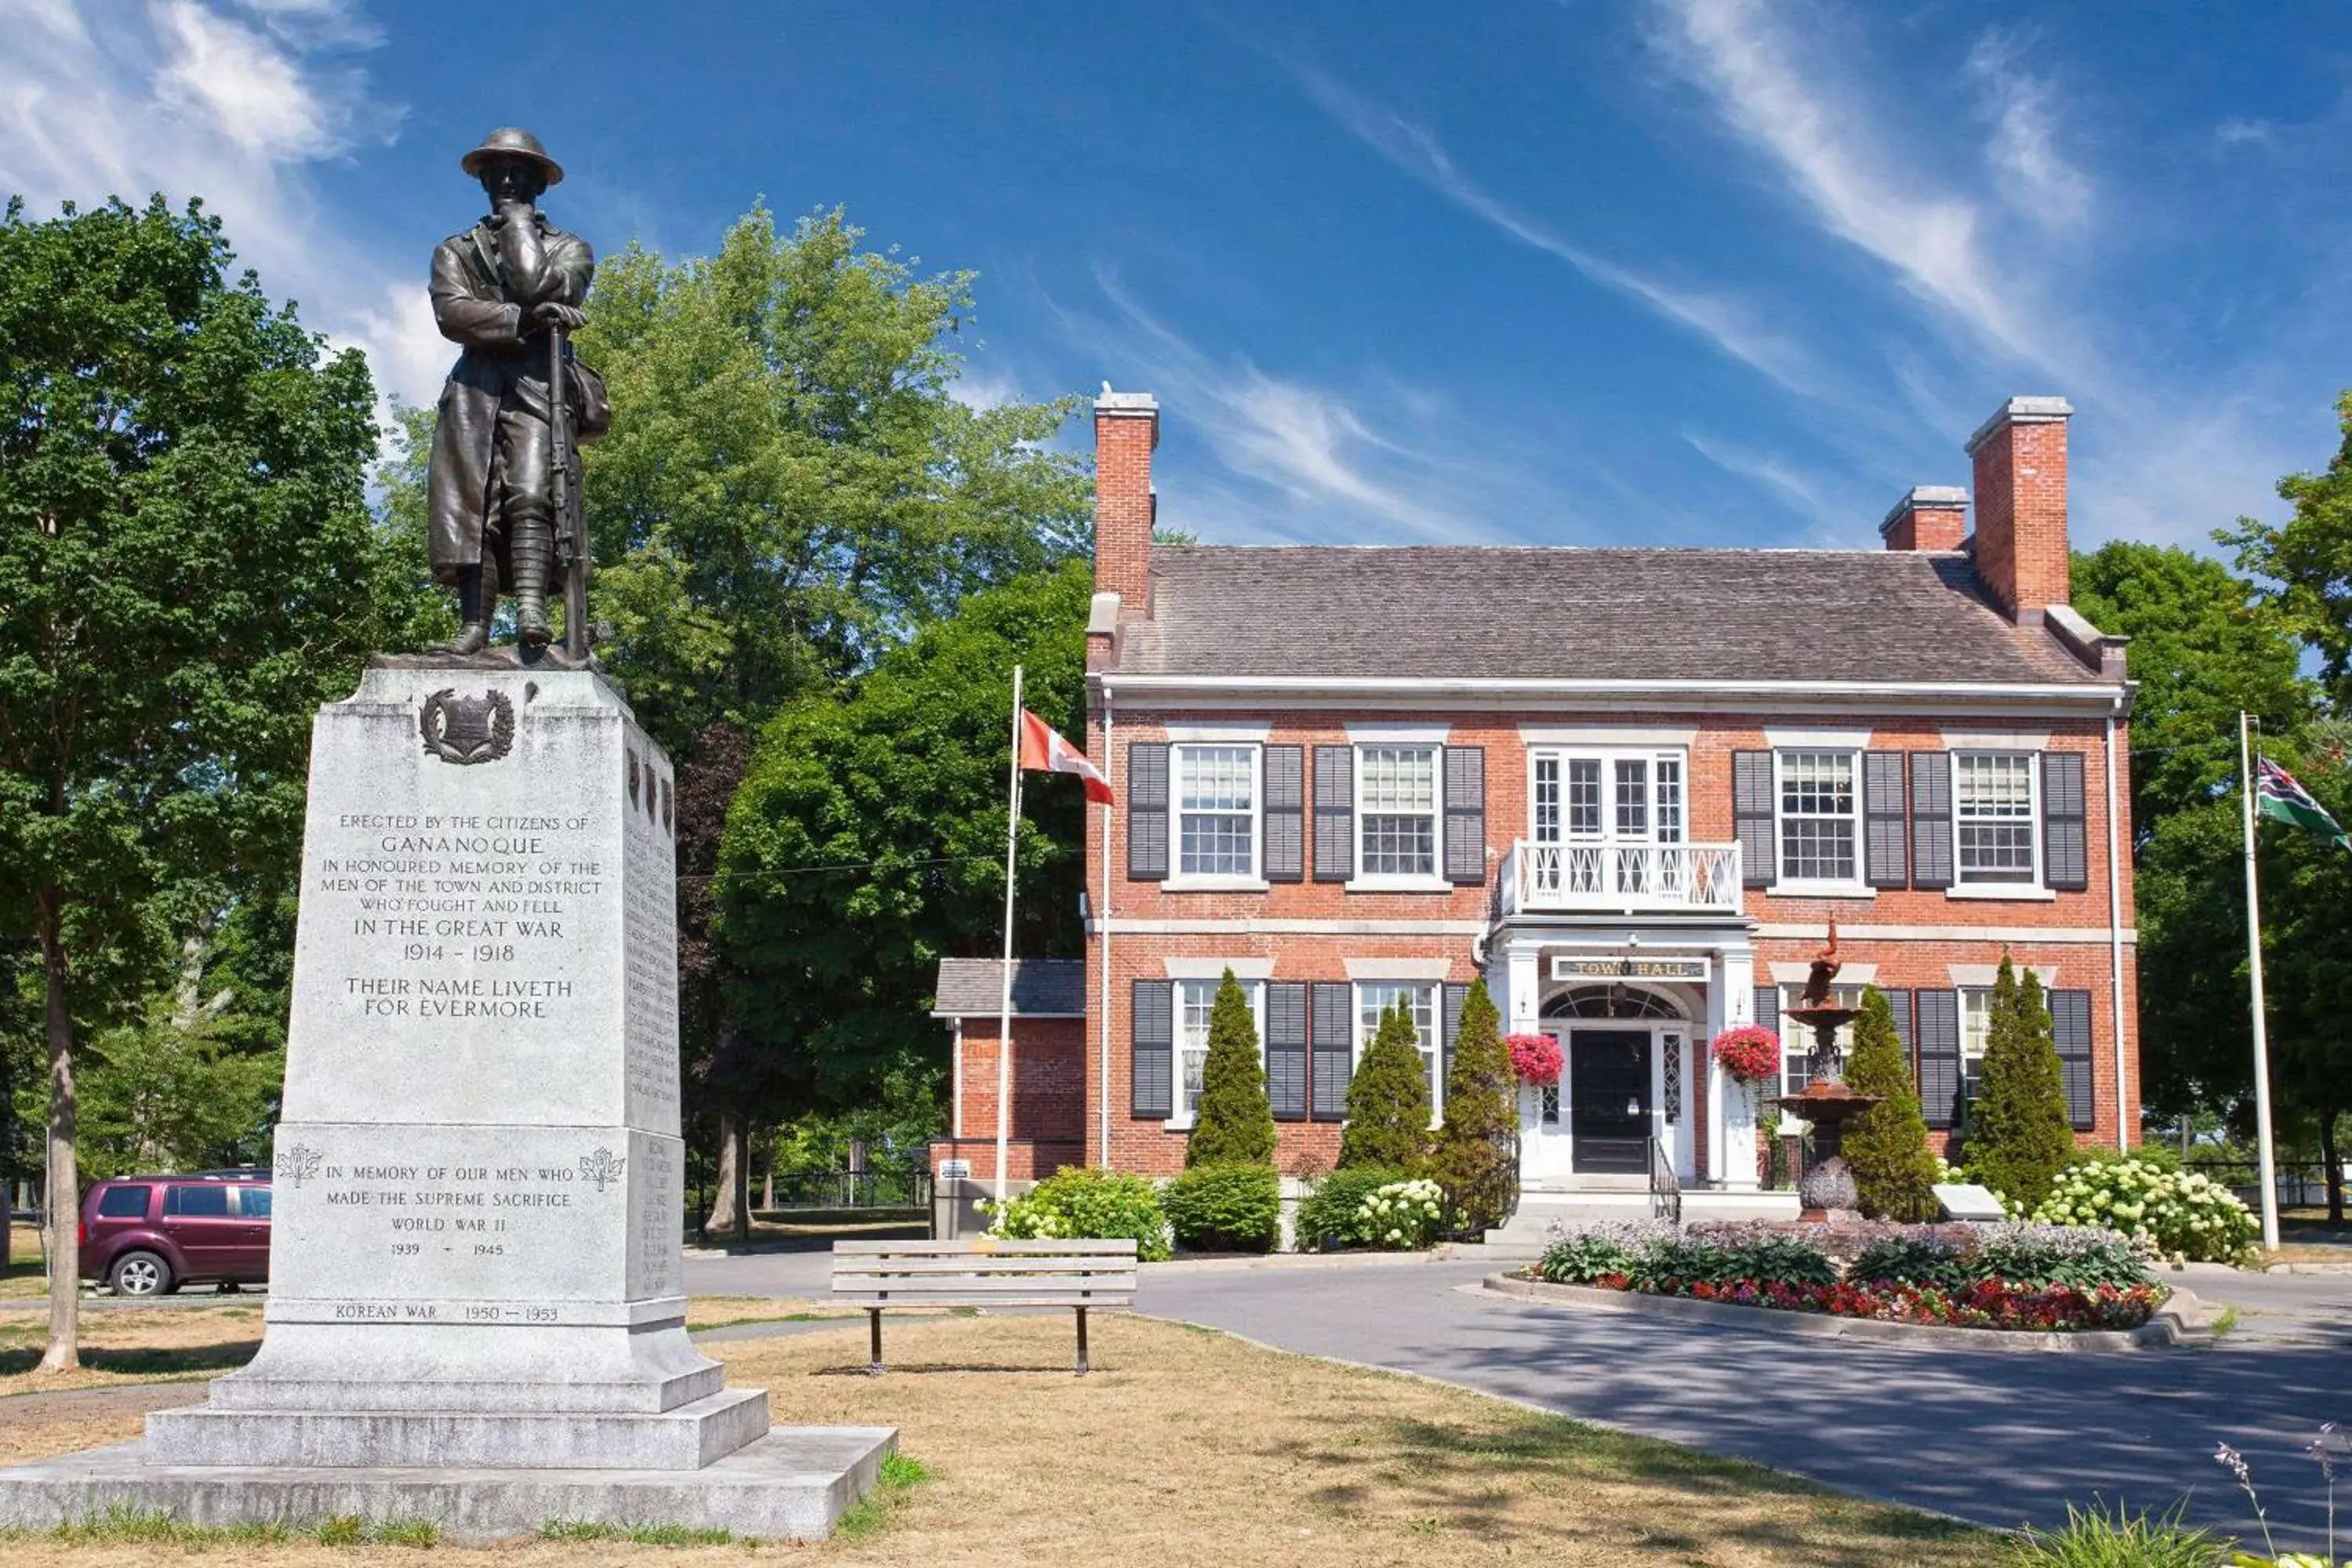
{"points": [[1535, 1058], [1749, 1053]]}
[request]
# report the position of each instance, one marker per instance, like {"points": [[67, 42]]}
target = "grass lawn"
{"points": [[1183, 1447], [20, 1271]]}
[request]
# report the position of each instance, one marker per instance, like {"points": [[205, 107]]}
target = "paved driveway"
{"points": [[1997, 1437]]}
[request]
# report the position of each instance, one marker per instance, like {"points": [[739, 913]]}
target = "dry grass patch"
{"points": [[1188, 1447], [132, 1344]]}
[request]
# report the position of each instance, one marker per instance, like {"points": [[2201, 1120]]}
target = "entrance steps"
{"points": [[1542, 1205]]}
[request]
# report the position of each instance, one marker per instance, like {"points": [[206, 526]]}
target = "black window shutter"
{"points": [[1886, 864], [1335, 813], [1931, 819], [1286, 1048], [1152, 1020], [1465, 815], [1939, 1056], [1767, 1007], [2070, 1028], [1147, 812], [1284, 814], [1450, 1016], [2065, 857], [1900, 1002], [1335, 1024], [1751, 815]]}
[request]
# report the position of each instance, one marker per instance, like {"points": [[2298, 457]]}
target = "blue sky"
{"points": [[1642, 271]]}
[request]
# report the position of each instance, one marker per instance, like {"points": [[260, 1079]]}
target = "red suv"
{"points": [[148, 1235]]}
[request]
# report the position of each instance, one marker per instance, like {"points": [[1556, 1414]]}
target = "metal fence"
{"points": [[2300, 1184], [847, 1190]]}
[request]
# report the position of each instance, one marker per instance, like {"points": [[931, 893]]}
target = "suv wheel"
{"points": [[140, 1274]]}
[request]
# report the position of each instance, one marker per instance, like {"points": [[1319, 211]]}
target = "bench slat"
{"points": [[912, 1288], [982, 1247], [993, 1303], [977, 1265]]}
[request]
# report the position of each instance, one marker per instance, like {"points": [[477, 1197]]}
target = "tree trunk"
{"points": [[62, 1199], [730, 1203], [2332, 1166]]}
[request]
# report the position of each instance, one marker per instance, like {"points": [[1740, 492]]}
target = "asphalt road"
{"points": [[2001, 1438]]}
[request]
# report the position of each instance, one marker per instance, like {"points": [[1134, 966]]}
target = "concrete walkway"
{"points": [[1999, 1438]]}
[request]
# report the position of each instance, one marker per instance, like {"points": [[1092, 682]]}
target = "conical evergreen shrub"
{"points": [[1474, 1148], [1232, 1123], [1388, 1102], [2019, 1138], [1886, 1146]]}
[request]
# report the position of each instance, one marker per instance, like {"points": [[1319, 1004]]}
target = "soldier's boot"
{"points": [[477, 601], [532, 553]]}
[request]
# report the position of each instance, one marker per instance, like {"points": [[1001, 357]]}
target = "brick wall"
{"points": [[1049, 1107], [2020, 492]]}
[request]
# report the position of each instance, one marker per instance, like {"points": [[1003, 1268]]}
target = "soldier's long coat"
{"points": [[474, 309]]}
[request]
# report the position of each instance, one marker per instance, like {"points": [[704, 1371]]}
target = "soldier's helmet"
{"points": [[512, 142]]}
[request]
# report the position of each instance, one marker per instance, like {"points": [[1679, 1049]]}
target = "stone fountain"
{"points": [[1827, 1188]]}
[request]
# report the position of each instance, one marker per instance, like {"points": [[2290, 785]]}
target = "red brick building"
{"points": [[1630, 787]]}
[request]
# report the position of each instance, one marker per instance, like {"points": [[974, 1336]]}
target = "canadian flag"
{"points": [[1043, 750]]}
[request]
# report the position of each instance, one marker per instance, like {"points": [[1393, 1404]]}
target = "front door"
{"points": [[1609, 1101]]}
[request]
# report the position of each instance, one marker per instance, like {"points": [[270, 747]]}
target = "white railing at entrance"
{"points": [[1628, 877]]}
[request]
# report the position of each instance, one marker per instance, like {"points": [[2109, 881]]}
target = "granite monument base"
{"points": [[790, 1485]]}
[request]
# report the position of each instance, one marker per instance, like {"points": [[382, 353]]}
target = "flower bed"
{"points": [[2041, 1279]]}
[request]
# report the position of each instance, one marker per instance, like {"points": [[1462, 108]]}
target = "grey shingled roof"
{"points": [[1041, 987], [1485, 613]]}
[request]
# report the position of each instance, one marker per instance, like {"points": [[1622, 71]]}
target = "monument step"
{"points": [[791, 1485], [686, 1439], [649, 1397]]}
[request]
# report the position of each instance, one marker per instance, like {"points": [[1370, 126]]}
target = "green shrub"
{"points": [[1401, 1217], [1578, 1254], [1474, 1160], [1388, 1102], [1671, 1265], [1925, 1260], [2019, 1138], [2182, 1214], [1232, 1123], [1226, 1208], [1080, 1202], [2098, 1539], [2037, 1256], [1886, 1146], [1327, 1218]]}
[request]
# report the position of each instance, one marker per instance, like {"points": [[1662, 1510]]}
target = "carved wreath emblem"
{"points": [[467, 730], [602, 1166], [297, 1163]]}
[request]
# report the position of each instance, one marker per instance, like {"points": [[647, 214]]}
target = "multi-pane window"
{"points": [[1633, 797], [1547, 800], [1216, 810], [1818, 817], [1398, 810], [1194, 1001], [1976, 1033], [1606, 799], [1419, 1000], [1670, 800], [1584, 797], [1993, 816]]}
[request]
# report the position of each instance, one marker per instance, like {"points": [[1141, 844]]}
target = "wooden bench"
{"points": [[879, 1275]]}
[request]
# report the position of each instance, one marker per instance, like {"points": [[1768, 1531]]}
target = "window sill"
{"points": [[1215, 885], [1820, 890], [2006, 892], [1400, 885]]}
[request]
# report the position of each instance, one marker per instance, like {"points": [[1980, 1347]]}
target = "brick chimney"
{"points": [[1127, 427], [2021, 485], [1932, 517]]}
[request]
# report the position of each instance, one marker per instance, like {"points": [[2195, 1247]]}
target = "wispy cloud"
{"points": [[1718, 318], [235, 101], [2037, 178]]}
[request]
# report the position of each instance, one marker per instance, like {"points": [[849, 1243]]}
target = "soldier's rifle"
{"points": [[571, 546]]}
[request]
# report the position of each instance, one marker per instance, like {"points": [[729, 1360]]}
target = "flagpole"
{"points": [[2265, 1162], [1004, 999]]}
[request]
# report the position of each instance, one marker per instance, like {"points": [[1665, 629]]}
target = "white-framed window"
{"points": [[1194, 1001], [1993, 817], [1797, 1039], [1606, 797], [1419, 1000], [1396, 813], [1976, 1033], [1215, 789], [1821, 818]]}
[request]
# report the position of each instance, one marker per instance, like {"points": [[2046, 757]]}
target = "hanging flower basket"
{"points": [[1535, 1058], [1751, 1053]]}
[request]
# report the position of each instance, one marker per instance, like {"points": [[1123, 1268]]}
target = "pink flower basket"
{"points": [[1535, 1058], [1751, 1053]]}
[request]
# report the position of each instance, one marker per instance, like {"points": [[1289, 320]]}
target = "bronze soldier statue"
{"points": [[504, 487]]}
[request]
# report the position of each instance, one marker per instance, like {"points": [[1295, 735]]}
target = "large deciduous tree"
{"points": [[867, 842], [187, 559], [2307, 560]]}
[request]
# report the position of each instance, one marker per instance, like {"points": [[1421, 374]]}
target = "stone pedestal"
{"points": [[475, 1258]]}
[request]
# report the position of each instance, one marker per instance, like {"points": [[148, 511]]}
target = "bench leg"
{"points": [[1082, 1342], [873, 1367]]}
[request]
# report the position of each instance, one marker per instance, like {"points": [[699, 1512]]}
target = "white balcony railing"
{"points": [[1692, 879]]}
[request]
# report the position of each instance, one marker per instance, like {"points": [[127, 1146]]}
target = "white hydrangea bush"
{"points": [[2184, 1216], [1401, 1214]]}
